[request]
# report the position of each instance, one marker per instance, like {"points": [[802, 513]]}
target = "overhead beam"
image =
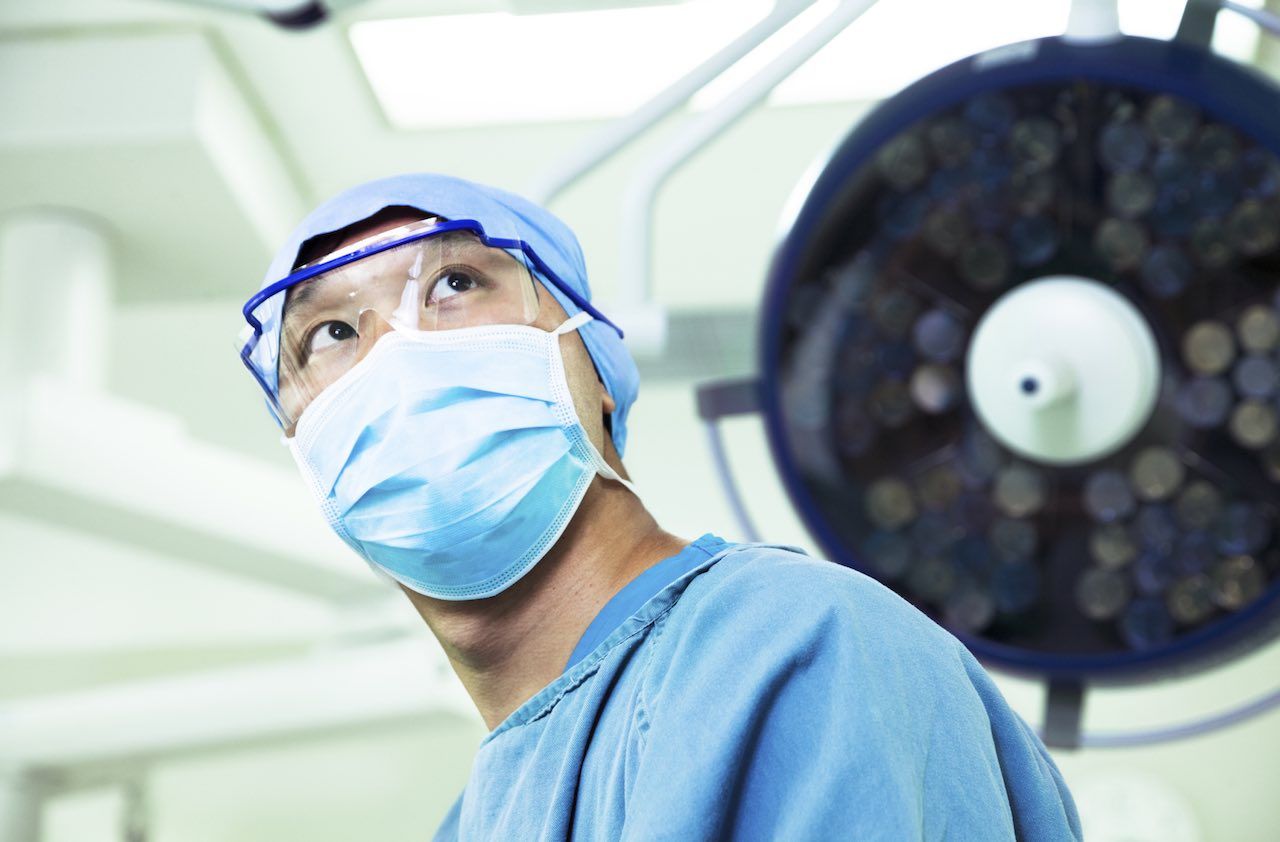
{"points": [[134, 722], [120, 471]]}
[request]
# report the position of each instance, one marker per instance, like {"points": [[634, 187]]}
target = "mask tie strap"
{"points": [[602, 467], [605, 470], [574, 322]]}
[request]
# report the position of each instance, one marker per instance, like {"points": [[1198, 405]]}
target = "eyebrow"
{"points": [[301, 294], [295, 315]]}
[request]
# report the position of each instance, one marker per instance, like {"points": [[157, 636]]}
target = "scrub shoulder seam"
{"points": [[588, 670]]}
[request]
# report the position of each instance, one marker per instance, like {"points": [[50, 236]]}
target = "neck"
{"points": [[508, 647]]}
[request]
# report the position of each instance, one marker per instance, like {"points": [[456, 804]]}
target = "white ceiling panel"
{"points": [[150, 135]]}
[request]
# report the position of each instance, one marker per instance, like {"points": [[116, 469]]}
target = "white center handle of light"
{"points": [[1044, 381], [1063, 370]]}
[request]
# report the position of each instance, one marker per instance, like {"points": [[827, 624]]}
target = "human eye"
{"points": [[327, 335], [453, 281]]}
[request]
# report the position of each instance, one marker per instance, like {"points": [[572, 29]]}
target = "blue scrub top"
{"points": [[748, 691], [641, 589]]}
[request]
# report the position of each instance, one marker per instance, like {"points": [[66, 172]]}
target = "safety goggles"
{"points": [[308, 329]]}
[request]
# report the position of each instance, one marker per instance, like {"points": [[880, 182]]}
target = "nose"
{"points": [[369, 329]]}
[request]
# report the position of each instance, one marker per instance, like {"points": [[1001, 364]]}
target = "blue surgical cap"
{"points": [[502, 214]]}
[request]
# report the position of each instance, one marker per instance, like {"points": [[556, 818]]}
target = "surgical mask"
{"points": [[451, 460]]}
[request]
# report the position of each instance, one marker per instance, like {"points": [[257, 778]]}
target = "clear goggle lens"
{"points": [[317, 329]]}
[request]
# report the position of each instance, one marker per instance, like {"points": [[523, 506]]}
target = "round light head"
{"points": [[1021, 355]]}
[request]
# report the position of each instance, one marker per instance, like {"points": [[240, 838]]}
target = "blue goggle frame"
{"points": [[310, 272]]}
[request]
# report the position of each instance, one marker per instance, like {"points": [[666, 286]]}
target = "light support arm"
{"points": [[1268, 21], [1093, 21], [641, 195], [601, 146]]}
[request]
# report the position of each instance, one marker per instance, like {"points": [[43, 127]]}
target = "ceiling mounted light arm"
{"points": [[1199, 19], [641, 195], [287, 14], [1268, 21], [601, 146], [1093, 20], [304, 15], [1153, 736]]}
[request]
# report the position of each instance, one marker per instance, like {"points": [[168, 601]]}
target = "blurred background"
{"points": [[186, 653]]}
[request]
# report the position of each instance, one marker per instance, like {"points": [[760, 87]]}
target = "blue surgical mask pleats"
{"points": [[451, 461]]}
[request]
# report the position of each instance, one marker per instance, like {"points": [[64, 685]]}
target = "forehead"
{"points": [[386, 219], [368, 278]]}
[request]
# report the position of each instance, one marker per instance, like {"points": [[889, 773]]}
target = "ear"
{"points": [[610, 450], [607, 406]]}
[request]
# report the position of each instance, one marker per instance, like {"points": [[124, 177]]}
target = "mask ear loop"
{"points": [[597, 459], [574, 322]]}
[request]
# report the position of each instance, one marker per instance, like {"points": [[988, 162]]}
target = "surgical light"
{"points": [[1021, 356]]}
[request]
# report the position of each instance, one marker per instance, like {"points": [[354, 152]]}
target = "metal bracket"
{"points": [[1198, 19], [306, 15], [721, 398], [1063, 713]]}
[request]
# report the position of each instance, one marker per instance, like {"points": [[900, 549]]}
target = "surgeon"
{"points": [[458, 407]]}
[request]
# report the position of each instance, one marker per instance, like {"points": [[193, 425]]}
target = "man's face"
{"points": [[300, 382]]}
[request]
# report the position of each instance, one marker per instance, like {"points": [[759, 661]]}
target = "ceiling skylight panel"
{"points": [[459, 70]]}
